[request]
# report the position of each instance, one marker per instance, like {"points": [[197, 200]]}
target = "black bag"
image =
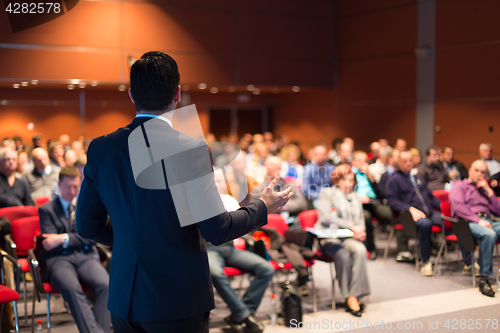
{"points": [[291, 304], [5, 229]]}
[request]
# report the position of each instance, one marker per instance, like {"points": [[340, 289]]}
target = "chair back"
{"points": [[13, 213], [409, 226], [464, 235], [277, 222], [40, 201], [308, 218], [23, 233], [441, 195], [445, 210]]}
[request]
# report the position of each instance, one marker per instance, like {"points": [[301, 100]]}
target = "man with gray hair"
{"points": [[493, 172], [13, 191], [44, 176], [474, 200]]}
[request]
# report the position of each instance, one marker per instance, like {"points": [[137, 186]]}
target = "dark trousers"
{"points": [[67, 275], [196, 324], [384, 215]]}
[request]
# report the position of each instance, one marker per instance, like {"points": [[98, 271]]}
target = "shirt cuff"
{"points": [[66, 241]]}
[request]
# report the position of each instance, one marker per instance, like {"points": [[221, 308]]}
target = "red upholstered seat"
{"points": [[40, 201], [8, 295], [231, 271], [24, 265], [13, 213], [452, 238], [398, 226], [436, 229]]}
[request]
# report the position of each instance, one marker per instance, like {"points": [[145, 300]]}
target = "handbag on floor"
{"points": [[291, 305]]}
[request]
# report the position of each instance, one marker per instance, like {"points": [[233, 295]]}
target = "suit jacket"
{"points": [[159, 269], [53, 220]]}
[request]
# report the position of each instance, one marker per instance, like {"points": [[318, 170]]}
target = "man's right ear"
{"points": [[130, 95]]}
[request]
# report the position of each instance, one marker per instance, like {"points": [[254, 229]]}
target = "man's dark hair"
{"points": [[428, 150], [70, 172], [153, 80]]}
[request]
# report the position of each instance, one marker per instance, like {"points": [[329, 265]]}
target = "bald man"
{"points": [[474, 200], [44, 176]]}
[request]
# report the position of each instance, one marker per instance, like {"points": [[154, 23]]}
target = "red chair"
{"points": [[23, 232], [441, 195], [8, 295], [13, 213], [308, 219], [42, 200]]}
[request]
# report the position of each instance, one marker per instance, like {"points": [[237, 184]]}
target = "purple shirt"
{"points": [[466, 200]]}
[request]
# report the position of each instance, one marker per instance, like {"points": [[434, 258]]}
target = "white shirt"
{"points": [[141, 115]]}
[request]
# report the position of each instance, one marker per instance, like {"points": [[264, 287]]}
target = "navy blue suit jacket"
{"points": [[159, 269], [53, 220]]}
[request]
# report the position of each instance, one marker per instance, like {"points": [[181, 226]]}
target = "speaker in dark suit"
{"points": [[160, 279], [72, 261]]}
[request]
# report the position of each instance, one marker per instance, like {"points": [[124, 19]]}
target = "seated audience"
{"points": [[23, 163], [70, 157], [456, 170], [317, 174], [13, 191], [297, 203], [333, 154], [255, 168], [290, 167], [19, 143], [345, 154], [242, 310], [64, 141], [417, 157], [375, 151], [407, 192], [434, 173], [37, 141], [372, 199], [379, 167], [43, 178], [229, 153], [391, 167], [383, 143], [77, 147], [474, 200], [349, 254], [56, 154], [400, 144], [72, 261], [486, 154]]}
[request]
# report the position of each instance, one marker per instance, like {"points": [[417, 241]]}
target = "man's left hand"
{"points": [[52, 241]]}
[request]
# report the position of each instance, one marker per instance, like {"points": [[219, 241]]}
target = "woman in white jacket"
{"points": [[341, 207]]}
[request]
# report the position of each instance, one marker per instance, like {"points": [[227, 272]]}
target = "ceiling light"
{"points": [[214, 90], [231, 89], [94, 83], [16, 85], [122, 87], [250, 87], [75, 81], [256, 91], [71, 86], [34, 82], [24, 84], [295, 88], [202, 86], [82, 85], [185, 87]]}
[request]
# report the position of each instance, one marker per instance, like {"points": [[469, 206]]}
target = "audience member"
{"points": [[456, 170], [345, 154], [317, 174], [242, 310], [434, 173], [255, 168], [297, 202], [18, 142], [378, 168], [333, 154], [43, 178], [372, 199], [37, 141], [383, 143], [56, 154], [349, 254], [77, 147], [70, 157], [64, 141], [290, 167], [407, 192], [400, 144], [417, 157], [486, 154], [391, 167], [73, 261], [23, 164], [375, 152], [473, 199], [350, 142], [13, 191]]}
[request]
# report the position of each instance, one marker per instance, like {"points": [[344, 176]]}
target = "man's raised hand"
{"points": [[275, 200]]}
